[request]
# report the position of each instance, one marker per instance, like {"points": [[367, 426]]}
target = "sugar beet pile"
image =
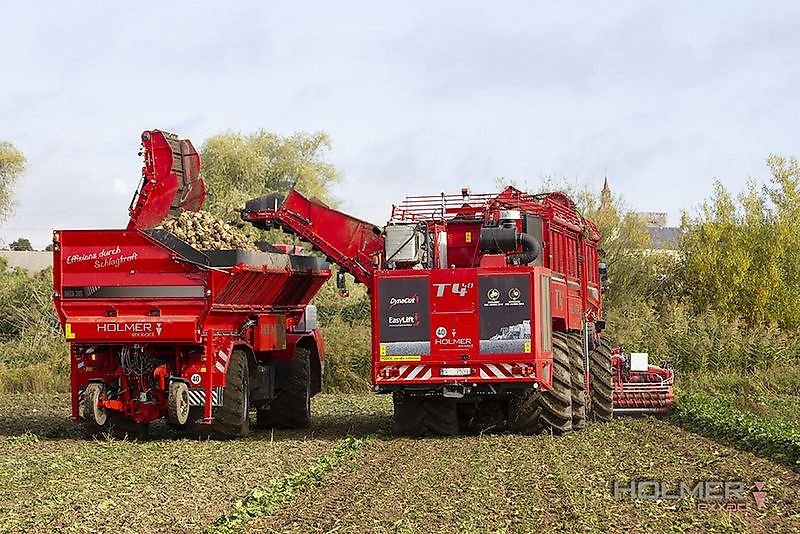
{"points": [[204, 231]]}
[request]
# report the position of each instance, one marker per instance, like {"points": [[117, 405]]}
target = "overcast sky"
{"points": [[418, 98]]}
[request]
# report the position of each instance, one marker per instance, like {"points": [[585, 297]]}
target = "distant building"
{"points": [[653, 218], [661, 236]]}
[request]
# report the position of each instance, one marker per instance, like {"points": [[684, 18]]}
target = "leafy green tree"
{"points": [[741, 255], [238, 167], [21, 244], [12, 165]]}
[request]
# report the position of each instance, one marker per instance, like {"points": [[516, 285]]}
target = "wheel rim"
{"points": [[182, 404], [99, 413]]}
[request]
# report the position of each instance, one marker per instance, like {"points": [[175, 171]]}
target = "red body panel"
{"points": [[446, 320]]}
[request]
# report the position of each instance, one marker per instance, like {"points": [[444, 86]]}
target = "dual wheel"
{"points": [[291, 407], [565, 407]]}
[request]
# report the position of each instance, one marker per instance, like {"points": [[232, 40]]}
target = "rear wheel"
{"points": [[178, 405], [600, 381], [291, 408], [231, 419], [580, 400], [102, 422], [417, 417], [95, 416], [533, 410]]}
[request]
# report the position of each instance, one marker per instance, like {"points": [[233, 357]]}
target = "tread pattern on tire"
{"points": [[580, 400], [228, 420], [601, 381], [419, 417], [290, 408], [534, 411]]}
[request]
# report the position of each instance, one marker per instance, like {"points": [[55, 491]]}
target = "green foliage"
{"points": [[12, 165], [741, 256], [636, 272], [238, 167], [33, 354], [22, 244], [345, 323], [698, 342], [262, 501], [717, 418]]}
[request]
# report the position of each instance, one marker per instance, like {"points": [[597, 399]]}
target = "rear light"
{"points": [[523, 370], [155, 313], [111, 313], [390, 372]]}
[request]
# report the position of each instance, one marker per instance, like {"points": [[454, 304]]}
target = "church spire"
{"points": [[605, 195]]}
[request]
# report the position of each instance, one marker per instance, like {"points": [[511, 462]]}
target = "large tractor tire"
{"points": [[534, 411], [601, 381], [291, 408], [580, 400], [231, 419], [102, 422], [417, 417]]}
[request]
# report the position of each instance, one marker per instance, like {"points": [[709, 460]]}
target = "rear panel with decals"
{"points": [[481, 321]]}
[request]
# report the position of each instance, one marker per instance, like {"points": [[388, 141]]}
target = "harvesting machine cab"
{"points": [[160, 329], [640, 387]]}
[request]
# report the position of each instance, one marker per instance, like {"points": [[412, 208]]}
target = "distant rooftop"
{"points": [[664, 237]]}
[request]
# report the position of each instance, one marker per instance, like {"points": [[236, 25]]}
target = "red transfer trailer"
{"points": [[486, 309], [159, 329]]}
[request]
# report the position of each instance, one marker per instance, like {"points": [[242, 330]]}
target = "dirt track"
{"points": [[475, 483]]}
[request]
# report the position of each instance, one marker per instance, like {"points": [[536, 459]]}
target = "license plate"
{"points": [[455, 371]]}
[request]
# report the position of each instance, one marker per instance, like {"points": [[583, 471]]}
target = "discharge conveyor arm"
{"points": [[353, 244]]}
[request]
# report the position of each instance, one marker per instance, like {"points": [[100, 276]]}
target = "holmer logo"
{"points": [[395, 301], [134, 329], [717, 495], [405, 320]]}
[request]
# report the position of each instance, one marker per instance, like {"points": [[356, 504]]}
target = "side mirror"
{"points": [[341, 284], [603, 269]]}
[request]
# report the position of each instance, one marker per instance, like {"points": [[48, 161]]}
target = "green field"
{"points": [[321, 479]]}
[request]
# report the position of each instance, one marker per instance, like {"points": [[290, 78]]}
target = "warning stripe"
{"points": [[488, 371]]}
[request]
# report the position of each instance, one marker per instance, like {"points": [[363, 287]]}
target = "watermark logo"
{"points": [[710, 495]]}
